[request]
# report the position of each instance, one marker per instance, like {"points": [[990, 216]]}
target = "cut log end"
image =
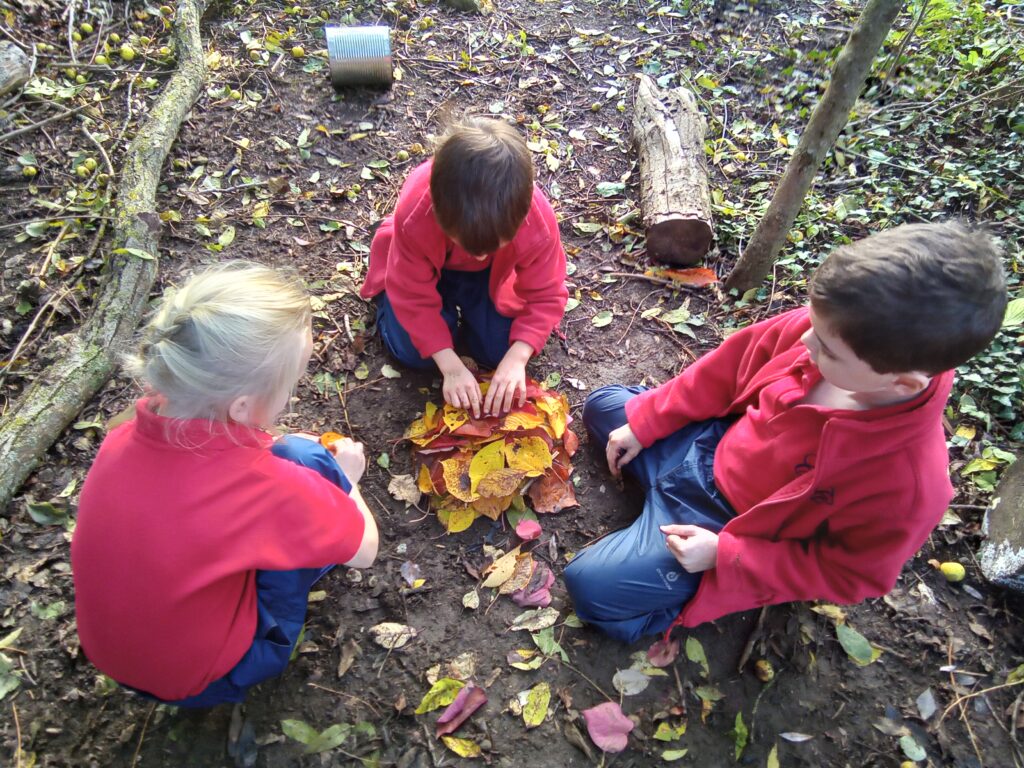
{"points": [[679, 240]]}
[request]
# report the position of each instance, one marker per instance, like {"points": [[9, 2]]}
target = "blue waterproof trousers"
{"points": [[465, 296], [281, 598], [628, 584]]}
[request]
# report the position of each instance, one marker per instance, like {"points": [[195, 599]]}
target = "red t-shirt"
{"points": [[175, 518]]}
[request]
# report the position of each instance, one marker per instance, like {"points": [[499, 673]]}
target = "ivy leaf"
{"points": [[695, 653], [856, 645], [136, 252], [610, 188], [602, 318]]}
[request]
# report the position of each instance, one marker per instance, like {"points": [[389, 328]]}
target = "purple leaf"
{"points": [[663, 652], [607, 726], [468, 701], [528, 530], [537, 593]]}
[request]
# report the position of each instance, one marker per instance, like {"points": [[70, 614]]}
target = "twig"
{"points": [[28, 332], [349, 695], [963, 708], [650, 278], [17, 733], [967, 696], [633, 318], [906, 41], [28, 128], [596, 687], [138, 747], [754, 635]]}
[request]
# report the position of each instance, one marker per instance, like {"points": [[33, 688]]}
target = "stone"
{"points": [[1002, 552], [15, 68]]}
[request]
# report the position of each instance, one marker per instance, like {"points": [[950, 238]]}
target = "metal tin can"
{"points": [[359, 56]]}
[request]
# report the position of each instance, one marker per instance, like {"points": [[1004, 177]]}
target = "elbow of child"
{"points": [[367, 553]]}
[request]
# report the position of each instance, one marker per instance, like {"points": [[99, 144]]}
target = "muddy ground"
{"points": [[327, 167]]}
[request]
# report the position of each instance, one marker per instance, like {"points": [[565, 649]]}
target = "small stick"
{"points": [[749, 647], [28, 128], [17, 732], [349, 695], [138, 748]]}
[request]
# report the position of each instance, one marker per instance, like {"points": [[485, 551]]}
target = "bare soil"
{"points": [[952, 640]]}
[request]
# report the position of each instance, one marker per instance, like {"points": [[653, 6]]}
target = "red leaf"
{"points": [[570, 441], [607, 726], [468, 701], [663, 653]]}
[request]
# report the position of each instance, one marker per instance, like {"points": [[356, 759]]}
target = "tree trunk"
{"points": [[669, 134], [89, 358], [826, 122]]}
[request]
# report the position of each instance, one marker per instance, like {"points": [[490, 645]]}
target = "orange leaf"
{"points": [[492, 507], [570, 441], [329, 437], [522, 420], [697, 276], [550, 494], [500, 483], [529, 454], [424, 482], [557, 409], [520, 575]]}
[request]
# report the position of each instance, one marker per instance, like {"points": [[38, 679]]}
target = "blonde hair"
{"points": [[228, 331]]}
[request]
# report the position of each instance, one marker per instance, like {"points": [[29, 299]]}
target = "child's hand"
{"points": [[461, 389], [694, 547], [350, 457], [622, 448], [508, 379]]}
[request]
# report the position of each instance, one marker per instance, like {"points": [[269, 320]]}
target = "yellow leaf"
{"points": [[462, 747], [520, 575], [834, 612], [500, 570], [454, 417], [529, 454], [423, 481], [456, 519], [488, 459], [557, 409], [492, 507], [416, 430], [773, 757], [502, 483], [441, 694], [965, 431], [456, 479], [430, 415], [536, 708], [515, 421]]}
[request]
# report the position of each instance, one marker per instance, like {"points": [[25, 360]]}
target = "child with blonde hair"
{"points": [[472, 251], [199, 535]]}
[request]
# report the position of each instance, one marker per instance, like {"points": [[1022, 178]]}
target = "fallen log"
{"points": [[668, 131], [87, 359]]}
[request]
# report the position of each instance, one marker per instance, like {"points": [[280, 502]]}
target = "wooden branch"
{"points": [[90, 357], [669, 134], [827, 120]]}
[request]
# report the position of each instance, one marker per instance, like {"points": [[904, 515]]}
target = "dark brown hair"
{"points": [[918, 297], [481, 183]]}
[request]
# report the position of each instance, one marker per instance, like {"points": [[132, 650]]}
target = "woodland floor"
{"points": [[327, 166]]}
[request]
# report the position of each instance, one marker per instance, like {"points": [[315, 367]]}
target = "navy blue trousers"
{"points": [[465, 296], [281, 598], [628, 584]]}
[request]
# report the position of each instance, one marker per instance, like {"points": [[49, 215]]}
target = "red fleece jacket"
{"points": [[527, 279], [843, 530]]}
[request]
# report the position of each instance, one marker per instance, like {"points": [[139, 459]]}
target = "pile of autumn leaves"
{"points": [[473, 467]]}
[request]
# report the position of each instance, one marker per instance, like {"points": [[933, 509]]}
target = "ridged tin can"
{"points": [[359, 56]]}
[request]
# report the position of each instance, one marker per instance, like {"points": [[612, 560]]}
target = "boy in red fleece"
{"points": [[805, 457], [472, 239]]}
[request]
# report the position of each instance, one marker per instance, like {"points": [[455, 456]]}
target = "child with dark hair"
{"points": [[805, 457], [472, 248]]}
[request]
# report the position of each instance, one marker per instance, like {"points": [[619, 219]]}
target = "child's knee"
{"points": [[600, 403]]}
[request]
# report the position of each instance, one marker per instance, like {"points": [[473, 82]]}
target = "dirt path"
{"points": [[274, 166]]}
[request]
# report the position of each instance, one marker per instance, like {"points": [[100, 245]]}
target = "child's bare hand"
{"points": [[461, 389], [508, 380], [694, 547], [622, 448], [351, 458]]}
